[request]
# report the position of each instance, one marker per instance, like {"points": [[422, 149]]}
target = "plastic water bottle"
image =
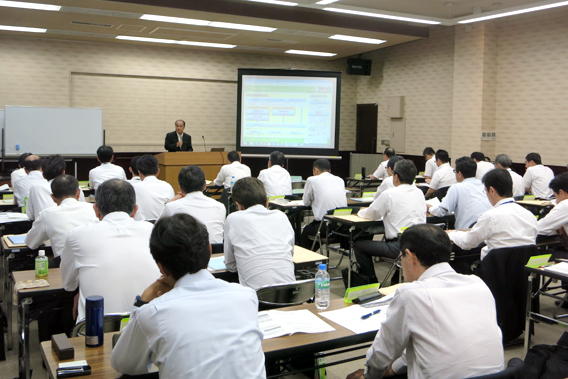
{"points": [[232, 181], [41, 264], [322, 288]]}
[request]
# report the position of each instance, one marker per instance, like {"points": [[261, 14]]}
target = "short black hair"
{"points": [[277, 158], [22, 159], [430, 244], [191, 179], [147, 165], [105, 153], [560, 182], [249, 192], [115, 195], [443, 156], [53, 166], [322, 164], [64, 186], [466, 166], [133, 165], [180, 243], [233, 156], [389, 152], [428, 151], [406, 171], [393, 160], [478, 156], [535, 157], [504, 160], [32, 163], [500, 180]]}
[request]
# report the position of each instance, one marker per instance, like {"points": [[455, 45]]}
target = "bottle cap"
{"points": [[94, 301], [322, 266], [41, 253]]}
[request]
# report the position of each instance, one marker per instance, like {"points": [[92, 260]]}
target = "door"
{"points": [[367, 116]]}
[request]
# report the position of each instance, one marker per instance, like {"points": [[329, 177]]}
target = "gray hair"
{"points": [[503, 160]]}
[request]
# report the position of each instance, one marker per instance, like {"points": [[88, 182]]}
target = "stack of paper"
{"points": [[350, 317], [561, 268], [281, 323], [216, 264]]}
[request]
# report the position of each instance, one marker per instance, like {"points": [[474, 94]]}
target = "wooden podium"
{"points": [[172, 163]]}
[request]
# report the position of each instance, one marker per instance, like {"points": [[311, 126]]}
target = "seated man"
{"points": [[466, 199], [446, 321], [399, 207], [556, 221], [259, 243], [135, 174], [194, 326], [192, 201], [233, 171], [507, 224], [55, 223], [537, 177], [381, 171], [106, 170], [443, 178], [276, 178], [483, 167], [152, 194], [323, 192], [110, 258], [388, 182], [32, 166], [431, 166], [503, 161], [20, 172]]}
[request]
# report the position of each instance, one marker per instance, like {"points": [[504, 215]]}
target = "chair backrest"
{"points": [[513, 371], [111, 323], [217, 248], [288, 294]]}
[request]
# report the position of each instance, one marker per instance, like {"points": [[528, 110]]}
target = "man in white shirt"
{"points": [[55, 223], [537, 177], [135, 175], [193, 202], [440, 324], [556, 221], [443, 178], [20, 172], [431, 166], [483, 167], [399, 207], [152, 194], [106, 170], [233, 171], [276, 178], [503, 161], [381, 171], [387, 183], [507, 224], [259, 243], [111, 258], [188, 323], [466, 199], [323, 192], [32, 165]]}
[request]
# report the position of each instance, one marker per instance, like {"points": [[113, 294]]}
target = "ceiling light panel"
{"points": [[18, 4], [314, 53], [520, 11], [175, 20], [229, 25], [175, 42], [379, 15], [373, 41], [277, 2], [22, 29], [325, 2]]}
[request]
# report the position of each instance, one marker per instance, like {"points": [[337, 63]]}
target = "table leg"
{"points": [[8, 300], [528, 321], [351, 253], [24, 338]]}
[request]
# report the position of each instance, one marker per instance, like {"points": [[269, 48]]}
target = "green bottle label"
{"points": [[41, 267]]}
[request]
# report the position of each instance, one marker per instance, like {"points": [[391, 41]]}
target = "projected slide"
{"points": [[288, 111]]}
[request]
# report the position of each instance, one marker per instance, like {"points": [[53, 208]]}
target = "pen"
{"points": [[364, 317]]}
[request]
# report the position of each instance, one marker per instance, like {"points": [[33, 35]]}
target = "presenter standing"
{"points": [[178, 140]]}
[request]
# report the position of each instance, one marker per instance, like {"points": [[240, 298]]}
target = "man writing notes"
{"points": [[20, 172], [431, 166], [188, 323], [503, 161], [483, 167], [32, 166], [446, 321], [152, 194], [537, 177], [443, 178], [233, 171], [387, 183], [178, 140], [107, 170], [381, 171], [276, 178], [556, 221]]}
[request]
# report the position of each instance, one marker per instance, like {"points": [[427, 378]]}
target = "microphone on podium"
{"points": [[204, 145]]}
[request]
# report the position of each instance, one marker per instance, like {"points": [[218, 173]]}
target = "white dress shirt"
{"points": [[111, 259], [55, 223], [385, 185], [507, 224], [259, 244], [431, 167], [208, 211], [22, 186], [483, 168], [276, 180], [555, 219], [537, 178], [17, 175], [152, 194], [236, 169], [467, 200], [447, 323], [104, 172], [518, 185], [135, 180], [39, 199], [381, 171], [203, 328], [443, 177], [399, 207], [324, 192]]}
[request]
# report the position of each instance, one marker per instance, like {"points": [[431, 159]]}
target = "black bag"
{"points": [[356, 278], [547, 361]]}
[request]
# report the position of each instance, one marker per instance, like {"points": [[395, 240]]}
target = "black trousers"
{"points": [[366, 249], [311, 230]]}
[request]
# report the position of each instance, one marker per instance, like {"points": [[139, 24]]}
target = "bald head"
{"points": [[32, 163]]}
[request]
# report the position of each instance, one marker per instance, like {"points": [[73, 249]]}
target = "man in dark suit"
{"points": [[178, 140]]}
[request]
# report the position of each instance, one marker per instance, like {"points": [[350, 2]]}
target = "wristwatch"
{"points": [[138, 302]]}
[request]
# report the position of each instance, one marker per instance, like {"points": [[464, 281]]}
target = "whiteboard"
{"points": [[45, 131]]}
